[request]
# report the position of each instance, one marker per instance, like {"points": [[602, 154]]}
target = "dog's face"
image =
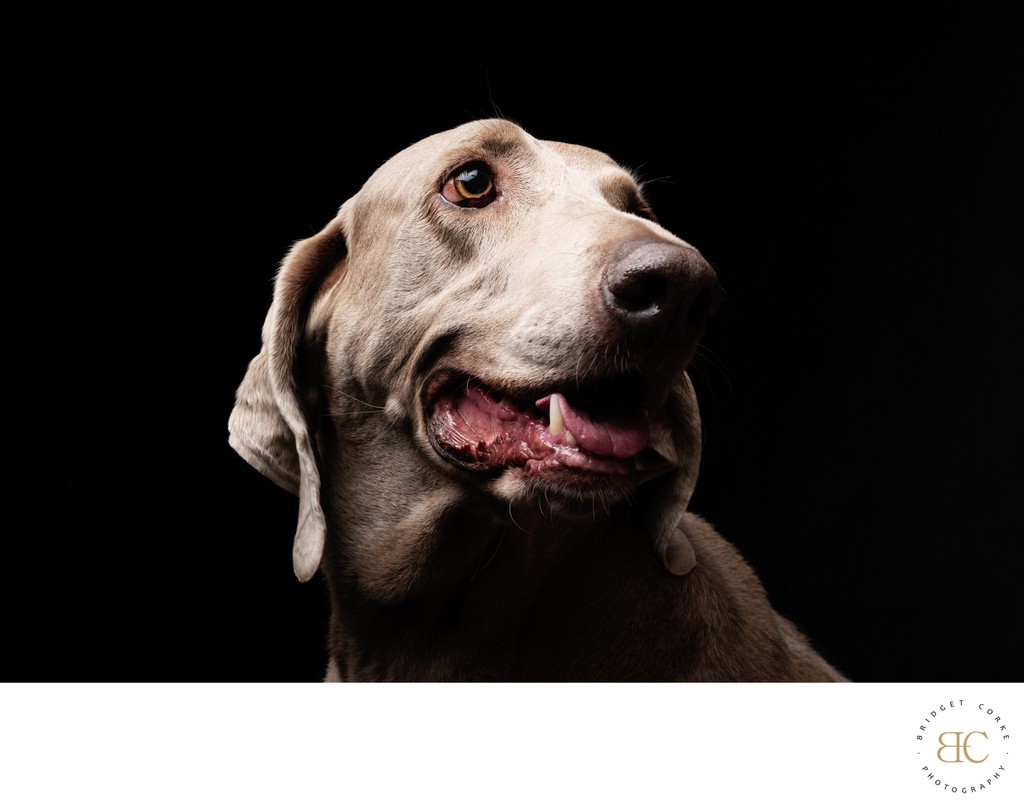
{"points": [[512, 310], [514, 301]]}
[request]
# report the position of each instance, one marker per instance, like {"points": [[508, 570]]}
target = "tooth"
{"points": [[507, 402], [569, 438], [557, 426]]}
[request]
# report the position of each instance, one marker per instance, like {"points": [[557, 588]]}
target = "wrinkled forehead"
{"points": [[427, 162]]}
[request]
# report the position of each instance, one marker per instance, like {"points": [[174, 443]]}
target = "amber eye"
{"points": [[470, 186]]}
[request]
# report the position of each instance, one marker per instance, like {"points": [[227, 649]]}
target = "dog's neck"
{"points": [[429, 580], [445, 590]]}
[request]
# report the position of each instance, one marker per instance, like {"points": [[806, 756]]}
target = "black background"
{"points": [[855, 186]]}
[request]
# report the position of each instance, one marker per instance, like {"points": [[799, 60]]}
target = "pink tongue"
{"points": [[621, 434]]}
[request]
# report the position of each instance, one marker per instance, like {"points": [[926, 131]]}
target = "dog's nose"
{"points": [[651, 285]]}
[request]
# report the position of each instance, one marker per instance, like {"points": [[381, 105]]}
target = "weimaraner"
{"points": [[474, 380]]}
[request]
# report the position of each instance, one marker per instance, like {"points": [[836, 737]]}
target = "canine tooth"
{"points": [[557, 426], [569, 438], [507, 402]]}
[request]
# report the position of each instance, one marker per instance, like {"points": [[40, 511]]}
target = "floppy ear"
{"points": [[268, 426], [667, 496]]}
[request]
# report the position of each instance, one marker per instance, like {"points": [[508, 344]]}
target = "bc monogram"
{"points": [[962, 744], [965, 744]]}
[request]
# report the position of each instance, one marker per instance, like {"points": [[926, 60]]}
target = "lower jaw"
{"points": [[560, 491], [566, 484], [585, 471]]}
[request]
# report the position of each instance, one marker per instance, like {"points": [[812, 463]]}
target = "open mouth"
{"points": [[600, 429]]}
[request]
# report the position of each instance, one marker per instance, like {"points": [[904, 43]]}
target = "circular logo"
{"points": [[963, 747]]}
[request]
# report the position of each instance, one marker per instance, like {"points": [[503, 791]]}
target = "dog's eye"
{"points": [[470, 186]]}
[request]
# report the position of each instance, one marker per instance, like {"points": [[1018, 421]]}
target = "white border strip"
{"points": [[484, 745]]}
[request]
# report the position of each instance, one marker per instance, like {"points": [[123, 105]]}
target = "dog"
{"points": [[474, 379]]}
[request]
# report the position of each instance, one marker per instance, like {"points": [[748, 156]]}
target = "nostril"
{"points": [[639, 290], [651, 286]]}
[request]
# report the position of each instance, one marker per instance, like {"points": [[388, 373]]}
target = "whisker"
{"points": [[335, 412], [340, 392], [479, 569], [512, 517]]}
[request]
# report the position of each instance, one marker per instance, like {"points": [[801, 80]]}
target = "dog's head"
{"points": [[515, 314]]}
